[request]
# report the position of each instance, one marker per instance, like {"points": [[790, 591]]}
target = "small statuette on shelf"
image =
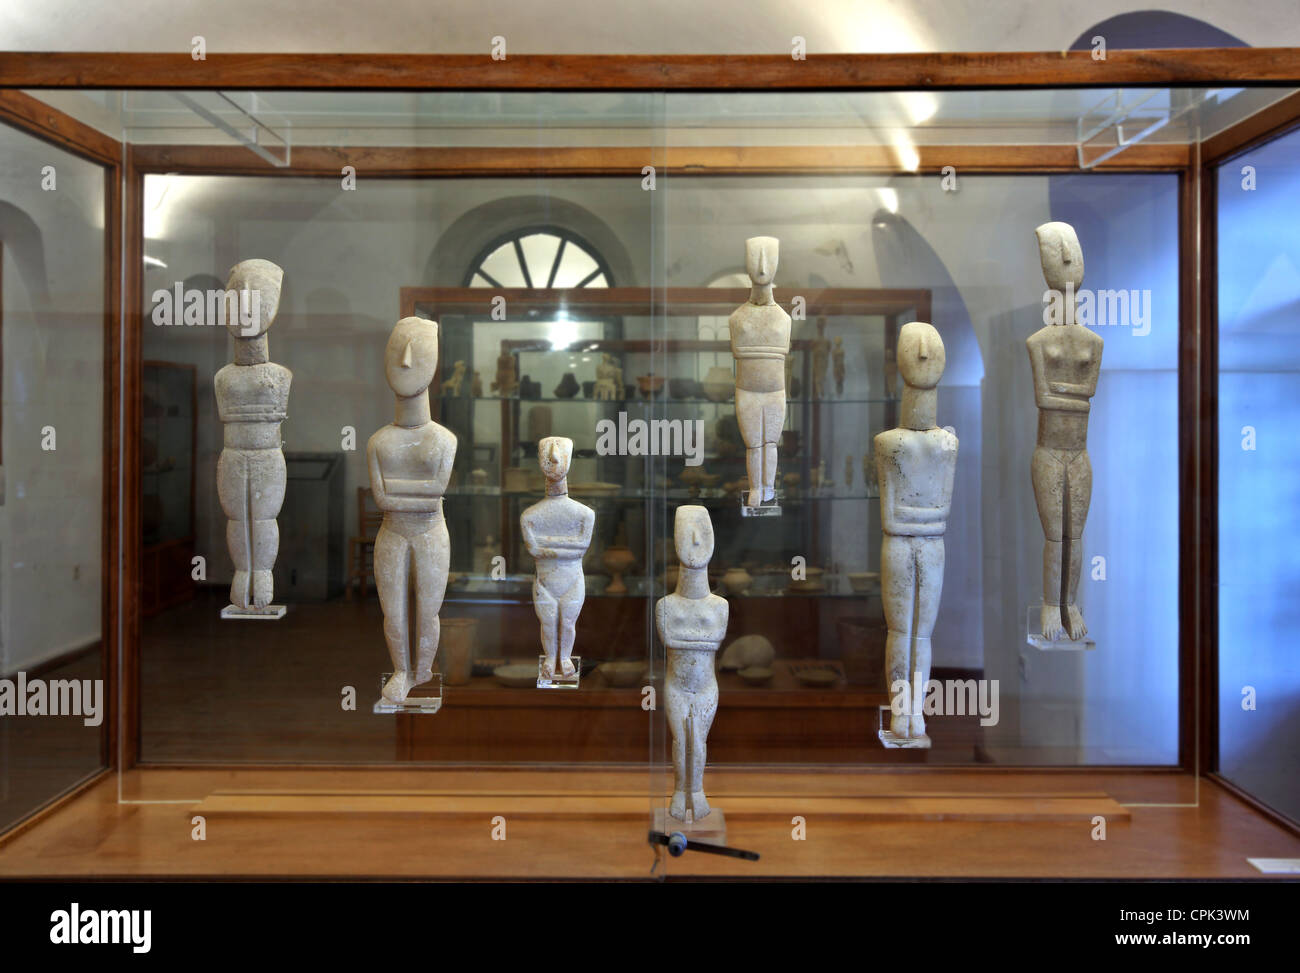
{"points": [[557, 531], [760, 342], [252, 395], [837, 365], [821, 353], [609, 379], [507, 382], [476, 389], [453, 386]]}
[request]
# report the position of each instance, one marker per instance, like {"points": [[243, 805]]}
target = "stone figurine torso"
{"points": [[249, 396], [691, 623], [415, 462], [760, 340], [917, 469], [1066, 362]]}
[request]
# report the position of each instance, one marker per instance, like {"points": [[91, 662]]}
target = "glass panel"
{"points": [[53, 708], [1259, 481]]}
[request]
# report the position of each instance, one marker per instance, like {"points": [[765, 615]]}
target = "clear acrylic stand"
{"points": [[425, 698], [1033, 626], [711, 829], [771, 508], [559, 680], [891, 742], [268, 614]]}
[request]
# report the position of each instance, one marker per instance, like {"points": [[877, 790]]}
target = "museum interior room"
{"points": [[830, 450]]}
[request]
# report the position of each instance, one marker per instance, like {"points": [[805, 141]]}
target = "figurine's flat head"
{"points": [[1060, 254], [250, 317], [693, 536], [554, 454], [761, 258], [921, 358], [411, 357]]}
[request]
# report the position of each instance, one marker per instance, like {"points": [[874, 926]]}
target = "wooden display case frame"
{"points": [[126, 165]]}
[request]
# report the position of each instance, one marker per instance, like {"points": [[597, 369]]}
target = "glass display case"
{"points": [[583, 255]]}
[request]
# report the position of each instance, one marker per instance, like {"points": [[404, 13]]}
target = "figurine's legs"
{"points": [[392, 580], [232, 491], [749, 417], [1049, 478], [430, 560], [266, 486], [690, 717], [548, 614], [569, 609], [898, 584], [1078, 497], [773, 422], [929, 561]]}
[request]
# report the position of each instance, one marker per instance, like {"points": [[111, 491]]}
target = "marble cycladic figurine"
{"points": [[760, 342], [915, 467], [692, 623], [1066, 362], [453, 385], [557, 532], [410, 461], [252, 400]]}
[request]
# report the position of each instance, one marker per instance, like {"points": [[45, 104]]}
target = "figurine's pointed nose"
{"points": [[407, 356], [695, 536]]}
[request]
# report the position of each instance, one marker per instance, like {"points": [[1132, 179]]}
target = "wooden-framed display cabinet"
{"points": [[126, 166]]}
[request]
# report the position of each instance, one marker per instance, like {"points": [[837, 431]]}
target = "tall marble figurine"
{"points": [[410, 461], [1066, 362], [760, 342], [915, 467], [692, 623], [557, 532], [252, 400]]}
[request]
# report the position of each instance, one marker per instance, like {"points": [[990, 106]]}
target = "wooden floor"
{"points": [[593, 822]]}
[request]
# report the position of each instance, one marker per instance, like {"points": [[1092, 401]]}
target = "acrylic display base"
{"points": [[772, 508], [268, 614], [1033, 625], [425, 698], [889, 741], [559, 680], [712, 830]]}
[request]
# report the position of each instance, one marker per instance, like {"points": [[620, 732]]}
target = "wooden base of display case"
{"points": [[274, 822]]}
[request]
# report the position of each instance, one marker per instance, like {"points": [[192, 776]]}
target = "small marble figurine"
{"points": [[410, 461], [252, 400], [692, 623], [557, 532], [915, 467], [1066, 362], [760, 342]]}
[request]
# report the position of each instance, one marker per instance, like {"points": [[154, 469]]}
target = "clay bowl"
{"points": [[620, 675], [684, 388], [819, 678], [755, 675], [650, 385], [864, 581], [517, 675]]}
